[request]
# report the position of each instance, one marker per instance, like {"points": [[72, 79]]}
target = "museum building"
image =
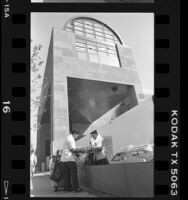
{"points": [[90, 80]]}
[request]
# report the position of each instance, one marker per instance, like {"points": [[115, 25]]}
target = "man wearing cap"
{"points": [[69, 161], [97, 145]]}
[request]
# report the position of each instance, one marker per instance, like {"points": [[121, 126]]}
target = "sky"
{"points": [[135, 29]]}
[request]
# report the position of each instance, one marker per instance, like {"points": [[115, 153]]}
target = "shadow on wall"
{"points": [[135, 127]]}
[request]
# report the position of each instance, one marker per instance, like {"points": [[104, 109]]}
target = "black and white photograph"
{"points": [[92, 1], [92, 109]]}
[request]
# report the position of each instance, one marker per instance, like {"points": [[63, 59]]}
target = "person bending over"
{"points": [[69, 160]]}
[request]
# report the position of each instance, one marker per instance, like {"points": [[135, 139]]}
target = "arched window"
{"points": [[95, 41]]}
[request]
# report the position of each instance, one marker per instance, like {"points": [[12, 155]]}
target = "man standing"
{"points": [[33, 162], [97, 145], [68, 158]]}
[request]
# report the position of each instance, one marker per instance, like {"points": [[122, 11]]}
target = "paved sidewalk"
{"points": [[42, 186]]}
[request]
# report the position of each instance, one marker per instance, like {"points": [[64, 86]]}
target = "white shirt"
{"points": [[51, 164], [33, 159], [69, 143], [97, 143]]}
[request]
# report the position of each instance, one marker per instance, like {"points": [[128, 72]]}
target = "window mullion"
{"points": [[95, 42]]}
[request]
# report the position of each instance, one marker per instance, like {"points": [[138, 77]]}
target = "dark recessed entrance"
{"points": [[88, 100]]}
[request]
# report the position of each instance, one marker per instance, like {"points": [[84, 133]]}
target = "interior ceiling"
{"points": [[89, 99]]}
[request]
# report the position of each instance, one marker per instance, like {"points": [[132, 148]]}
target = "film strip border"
{"points": [[166, 102], [15, 97], [15, 117]]}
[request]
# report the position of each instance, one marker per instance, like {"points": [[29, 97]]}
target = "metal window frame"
{"points": [[103, 40]]}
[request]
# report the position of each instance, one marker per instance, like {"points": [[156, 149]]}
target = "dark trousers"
{"points": [[70, 173], [63, 182]]}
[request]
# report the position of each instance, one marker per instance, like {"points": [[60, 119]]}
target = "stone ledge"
{"points": [[120, 180]]}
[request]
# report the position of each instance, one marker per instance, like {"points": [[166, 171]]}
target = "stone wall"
{"points": [[47, 80], [66, 64], [119, 180], [43, 135]]}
